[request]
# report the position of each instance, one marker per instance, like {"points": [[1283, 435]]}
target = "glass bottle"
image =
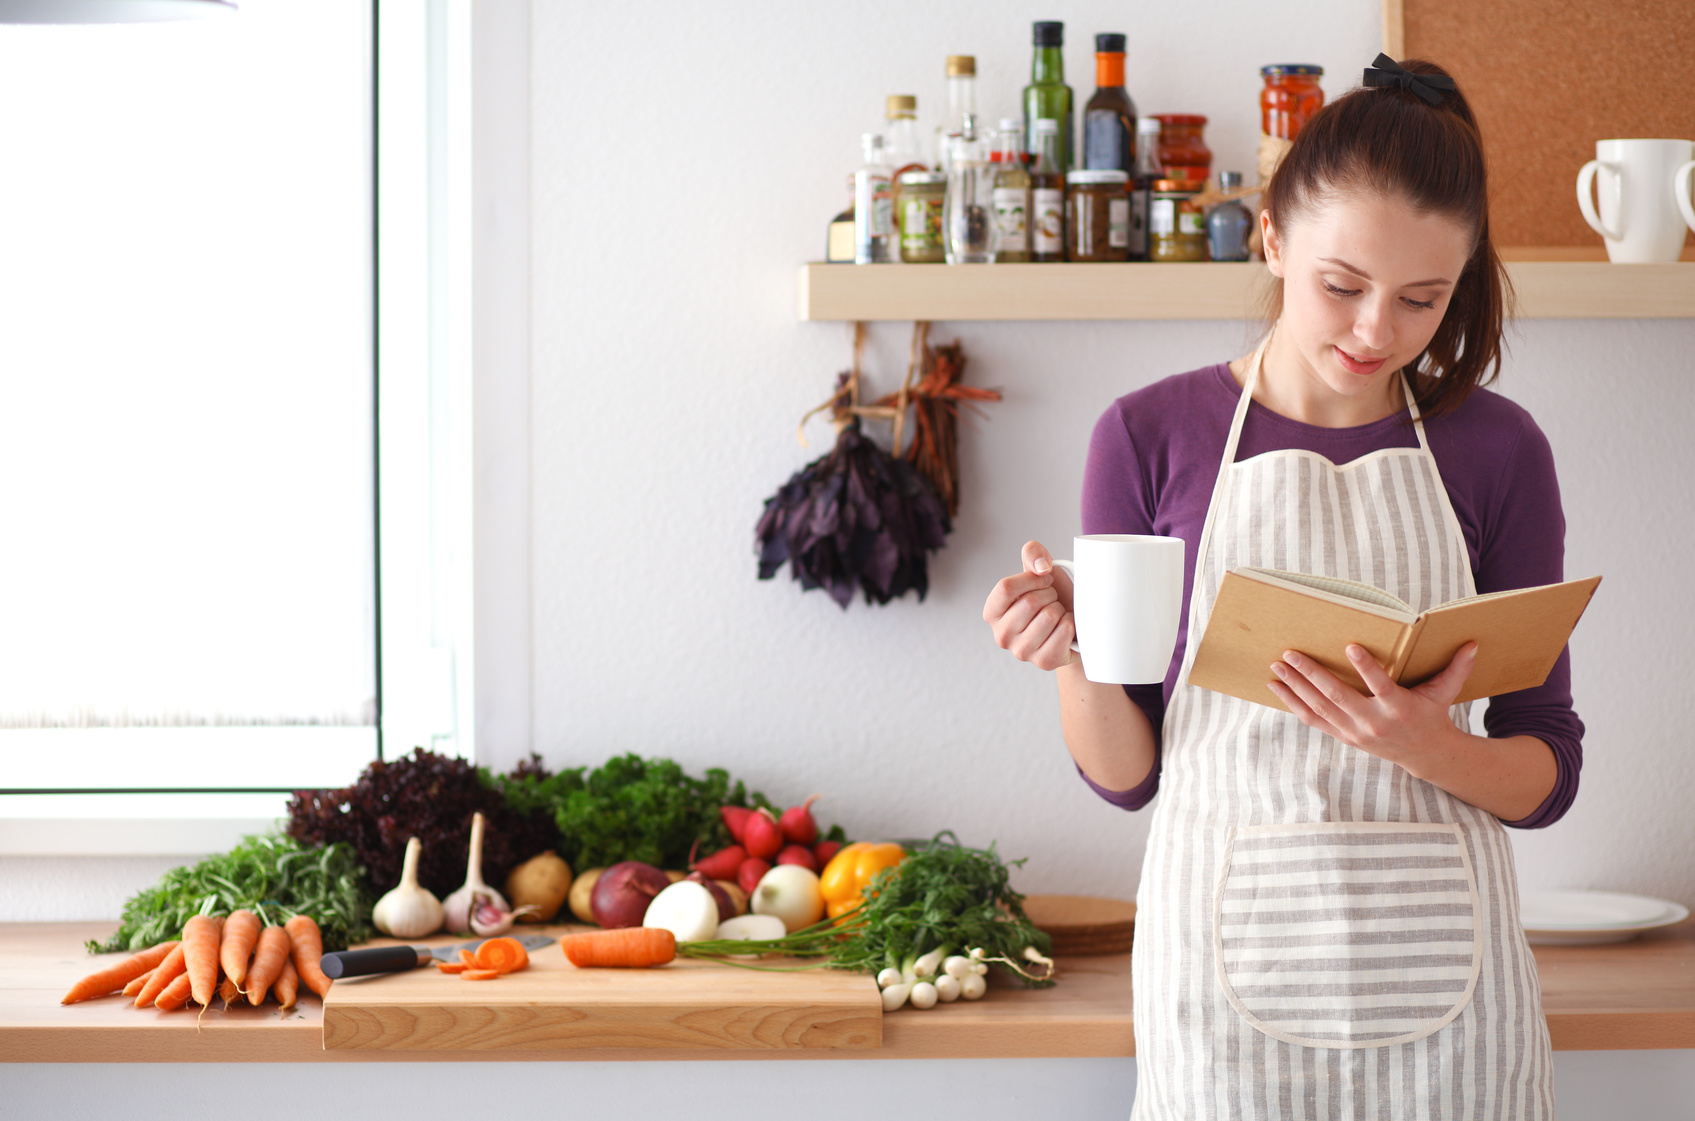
{"points": [[1229, 222], [1012, 195], [968, 221], [962, 99], [1047, 195], [1047, 97], [873, 206], [902, 150], [1290, 97], [1109, 119], [1147, 173]]}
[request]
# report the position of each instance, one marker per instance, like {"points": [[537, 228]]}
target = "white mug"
{"points": [[1644, 197], [1127, 603]]}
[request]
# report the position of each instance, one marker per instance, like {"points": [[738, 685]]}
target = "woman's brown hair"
{"points": [[1389, 140]]}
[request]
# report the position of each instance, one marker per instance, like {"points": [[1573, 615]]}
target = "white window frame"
{"points": [[453, 525]]}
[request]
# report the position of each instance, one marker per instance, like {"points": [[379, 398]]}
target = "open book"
{"points": [[1261, 612]]}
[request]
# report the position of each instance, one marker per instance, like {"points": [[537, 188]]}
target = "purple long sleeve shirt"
{"points": [[1153, 460]]}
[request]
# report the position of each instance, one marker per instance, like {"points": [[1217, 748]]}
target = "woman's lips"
{"points": [[1356, 366]]}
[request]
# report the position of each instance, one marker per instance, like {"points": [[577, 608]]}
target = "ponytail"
{"points": [[1390, 139]]}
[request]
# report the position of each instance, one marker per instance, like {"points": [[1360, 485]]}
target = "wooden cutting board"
{"points": [[1083, 925], [553, 1005]]}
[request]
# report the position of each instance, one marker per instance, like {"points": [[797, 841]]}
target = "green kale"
{"points": [[274, 877]]}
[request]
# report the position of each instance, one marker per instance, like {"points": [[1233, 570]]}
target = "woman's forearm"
{"points": [[1508, 777], [1106, 732]]}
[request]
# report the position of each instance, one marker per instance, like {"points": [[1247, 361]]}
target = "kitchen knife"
{"points": [[397, 959]]}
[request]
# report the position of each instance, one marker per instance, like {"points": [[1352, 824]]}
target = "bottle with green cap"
{"points": [[1047, 97]]}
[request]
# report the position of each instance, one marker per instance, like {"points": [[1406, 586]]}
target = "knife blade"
{"points": [[397, 959]]}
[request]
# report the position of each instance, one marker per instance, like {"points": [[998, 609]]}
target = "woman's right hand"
{"points": [[1031, 612]]}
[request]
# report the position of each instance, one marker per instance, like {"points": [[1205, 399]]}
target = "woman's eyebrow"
{"points": [[1437, 282]]}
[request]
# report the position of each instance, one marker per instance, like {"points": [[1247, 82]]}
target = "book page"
{"points": [[1335, 588]]}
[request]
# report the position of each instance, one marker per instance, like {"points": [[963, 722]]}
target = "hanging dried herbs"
{"points": [[935, 401], [855, 518]]}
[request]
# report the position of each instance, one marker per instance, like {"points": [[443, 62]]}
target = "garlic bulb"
{"points": [[410, 910], [457, 907]]}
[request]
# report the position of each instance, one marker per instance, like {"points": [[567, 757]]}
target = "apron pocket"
{"points": [[1347, 934]]}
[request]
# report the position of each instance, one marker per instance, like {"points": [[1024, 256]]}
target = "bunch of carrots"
{"points": [[218, 957]]}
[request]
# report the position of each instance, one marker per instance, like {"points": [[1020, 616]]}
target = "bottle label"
{"points": [[1162, 216], [1118, 223], [921, 223], [1011, 234], [1047, 225], [1190, 222], [874, 207], [1139, 225]]}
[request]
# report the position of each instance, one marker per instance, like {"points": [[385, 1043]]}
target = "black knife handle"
{"points": [[377, 959]]}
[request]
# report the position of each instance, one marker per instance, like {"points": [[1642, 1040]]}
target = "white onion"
{"points": [[790, 892], [686, 909]]}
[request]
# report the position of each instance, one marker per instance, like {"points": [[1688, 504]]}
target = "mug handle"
{"points": [[1585, 179], [1071, 571], [1680, 187]]}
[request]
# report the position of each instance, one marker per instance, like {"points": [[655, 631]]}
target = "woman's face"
{"points": [[1366, 280]]}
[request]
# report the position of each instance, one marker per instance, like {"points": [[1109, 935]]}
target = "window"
{"points": [[188, 451]]}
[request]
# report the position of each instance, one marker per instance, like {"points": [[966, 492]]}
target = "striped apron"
{"points": [[1320, 934]]}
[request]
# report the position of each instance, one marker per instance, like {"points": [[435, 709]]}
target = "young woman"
{"points": [[1328, 923]]}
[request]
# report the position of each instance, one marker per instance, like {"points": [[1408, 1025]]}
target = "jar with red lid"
{"points": [[1290, 97], [1182, 152]]}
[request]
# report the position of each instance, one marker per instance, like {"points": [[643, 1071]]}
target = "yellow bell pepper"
{"points": [[851, 870]]}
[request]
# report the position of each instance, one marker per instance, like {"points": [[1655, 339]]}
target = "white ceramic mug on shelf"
{"points": [[1127, 601], [1644, 191]]}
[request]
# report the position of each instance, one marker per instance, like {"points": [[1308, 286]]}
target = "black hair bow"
{"points": [[1385, 71]]}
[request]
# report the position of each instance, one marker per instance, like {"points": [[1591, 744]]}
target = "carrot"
{"points": [[241, 931], [228, 990], [200, 938], [628, 946], [115, 977], [268, 958], [287, 986], [468, 958], [169, 970], [176, 993], [480, 974], [135, 986], [503, 955], [452, 966], [308, 952]]}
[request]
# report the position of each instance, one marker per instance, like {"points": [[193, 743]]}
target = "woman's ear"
{"points": [[1271, 244]]}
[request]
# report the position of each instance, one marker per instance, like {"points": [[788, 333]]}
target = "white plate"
{"points": [[1586, 918]]}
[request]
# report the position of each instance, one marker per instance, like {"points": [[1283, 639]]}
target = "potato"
{"points": [[582, 891], [542, 882]]}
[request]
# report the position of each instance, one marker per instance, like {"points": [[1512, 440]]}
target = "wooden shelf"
{"points": [[1550, 283], [1635, 995]]}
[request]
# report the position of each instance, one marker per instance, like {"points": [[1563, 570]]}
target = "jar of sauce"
{"points": [[1181, 146], [919, 216], [1290, 97], [1176, 226], [1097, 224]]}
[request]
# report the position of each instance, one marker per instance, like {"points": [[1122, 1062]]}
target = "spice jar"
{"points": [[1181, 146], [1290, 97], [1098, 219], [1176, 226], [922, 194]]}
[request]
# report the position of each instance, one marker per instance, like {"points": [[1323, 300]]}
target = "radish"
{"points": [[823, 851], [760, 836], [797, 823], [735, 820], [752, 871], [798, 854], [723, 864]]}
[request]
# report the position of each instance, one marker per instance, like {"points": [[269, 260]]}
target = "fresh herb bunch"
{"points": [[431, 797], [943, 894], [274, 877], [631, 808]]}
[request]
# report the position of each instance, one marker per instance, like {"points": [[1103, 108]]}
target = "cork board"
{"points": [[1548, 78]]}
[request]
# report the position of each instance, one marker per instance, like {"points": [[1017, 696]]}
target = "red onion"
{"points": [[622, 893], [726, 905]]}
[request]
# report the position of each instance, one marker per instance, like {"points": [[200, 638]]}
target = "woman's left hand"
{"points": [[1390, 722]]}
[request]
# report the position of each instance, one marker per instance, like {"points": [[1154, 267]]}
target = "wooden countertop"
{"points": [[1638, 995]]}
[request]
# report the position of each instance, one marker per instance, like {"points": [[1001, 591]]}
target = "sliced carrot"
{"points": [[503, 955], [468, 958], [452, 966], [175, 994], [631, 946], [168, 970], [480, 974], [115, 977]]}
